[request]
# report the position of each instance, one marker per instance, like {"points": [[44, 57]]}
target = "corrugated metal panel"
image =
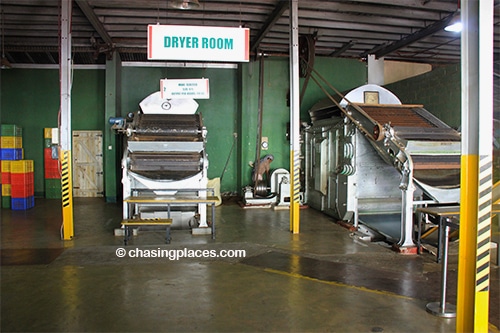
{"points": [[350, 29]]}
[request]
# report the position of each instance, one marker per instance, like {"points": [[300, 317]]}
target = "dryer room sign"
{"points": [[180, 42]]}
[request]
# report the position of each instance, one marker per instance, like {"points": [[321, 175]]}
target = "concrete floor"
{"points": [[322, 279]]}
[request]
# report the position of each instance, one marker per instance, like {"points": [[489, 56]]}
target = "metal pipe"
{"points": [[441, 309], [259, 115]]}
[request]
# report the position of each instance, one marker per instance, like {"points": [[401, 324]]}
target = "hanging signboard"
{"points": [[185, 88], [198, 43]]}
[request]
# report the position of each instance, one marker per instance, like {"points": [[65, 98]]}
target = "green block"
{"points": [[47, 143], [6, 202], [53, 189], [10, 130]]}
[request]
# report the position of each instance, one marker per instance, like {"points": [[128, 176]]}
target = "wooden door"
{"points": [[87, 164]]}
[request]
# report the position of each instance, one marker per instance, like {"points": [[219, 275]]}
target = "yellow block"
{"points": [[6, 190], [21, 166], [5, 166], [47, 133], [11, 142]]}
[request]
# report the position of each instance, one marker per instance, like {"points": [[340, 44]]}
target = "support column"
{"points": [[476, 166], [294, 118], [65, 125], [112, 148]]}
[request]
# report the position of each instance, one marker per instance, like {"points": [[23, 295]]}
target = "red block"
{"points": [[52, 173], [22, 178], [22, 191], [5, 177], [49, 162]]}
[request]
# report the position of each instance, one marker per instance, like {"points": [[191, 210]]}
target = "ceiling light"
{"points": [[455, 25], [185, 4]]}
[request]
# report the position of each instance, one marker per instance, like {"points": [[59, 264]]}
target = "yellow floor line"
{"points": [[491, 328], [337, 284]]}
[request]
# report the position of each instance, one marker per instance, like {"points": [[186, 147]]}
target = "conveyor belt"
{"points": [[416, 127]]}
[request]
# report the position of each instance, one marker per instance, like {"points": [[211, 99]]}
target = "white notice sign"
{"points": [[185, 88], [179, 42]]}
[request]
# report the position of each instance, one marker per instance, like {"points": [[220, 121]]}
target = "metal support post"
{"points": [[65, 125], [476, 166], [294, 118]]}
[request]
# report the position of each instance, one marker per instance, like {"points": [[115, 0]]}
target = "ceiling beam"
{"points": [[271, 20], [425, 32], [374, 50], [344, 48], [94, 20]]}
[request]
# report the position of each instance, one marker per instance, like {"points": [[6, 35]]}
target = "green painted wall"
{"points": [[438, 90], [343, 74], [30, 99]]}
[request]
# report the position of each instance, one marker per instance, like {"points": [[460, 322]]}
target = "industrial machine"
{"points": [[276, 194], [164, 155], [371, 161]]}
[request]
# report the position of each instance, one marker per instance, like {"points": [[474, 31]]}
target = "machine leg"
{"points": [[202, 209], [168, 238], [213, 220], [125, 235], [406, 244]]}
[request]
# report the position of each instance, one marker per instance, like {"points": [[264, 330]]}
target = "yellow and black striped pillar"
{"points": [[67, 195], [65, 72], [295, 192], [476, 166], [294, 117]]}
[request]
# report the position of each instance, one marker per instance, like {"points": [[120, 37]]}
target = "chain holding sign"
{"points": [[185, 88]]}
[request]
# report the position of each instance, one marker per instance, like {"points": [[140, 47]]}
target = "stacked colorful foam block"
{"points": [[6, 186], [51, 164], [11, 142], [22, 184], [17, 174]]}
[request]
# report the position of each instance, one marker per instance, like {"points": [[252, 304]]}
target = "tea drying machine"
{"points": [[371, 160], [164, 156]]}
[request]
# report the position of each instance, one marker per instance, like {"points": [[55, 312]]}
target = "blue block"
{"points": [[11, 154], [22, 203]]}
